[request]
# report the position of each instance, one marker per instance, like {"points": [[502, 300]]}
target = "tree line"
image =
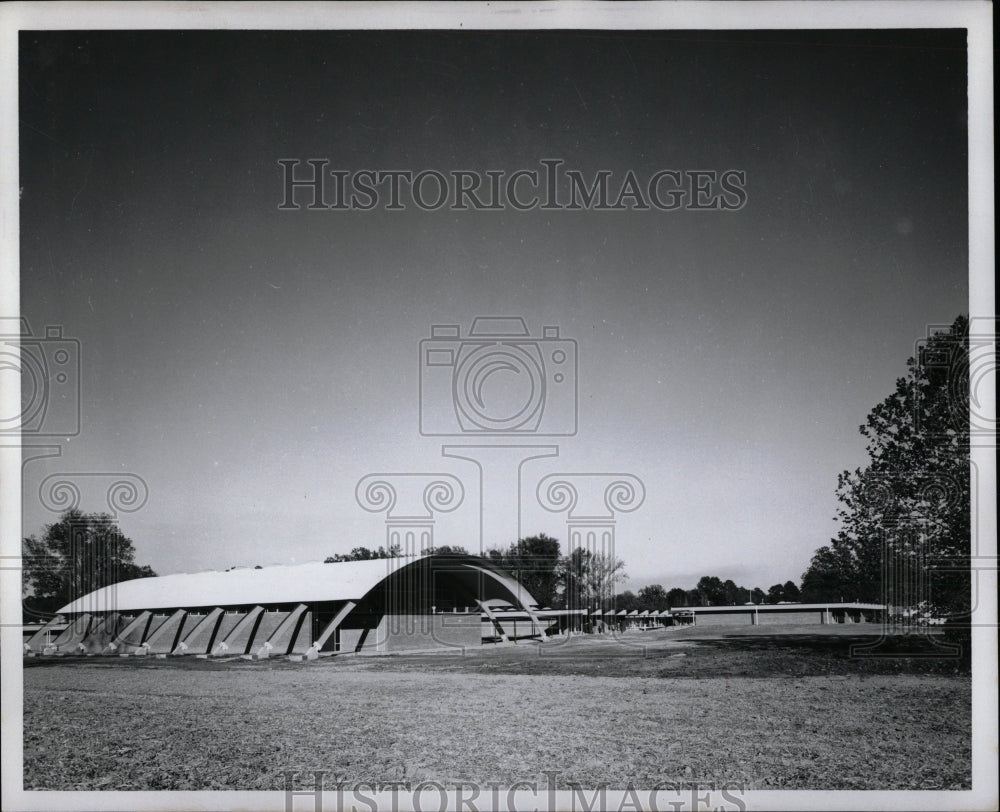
{"points": [[556, 581], [905, 520], [709, 591], [584, 579]]}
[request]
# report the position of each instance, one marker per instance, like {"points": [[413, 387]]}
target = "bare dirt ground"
{"points": [[766, 708]]}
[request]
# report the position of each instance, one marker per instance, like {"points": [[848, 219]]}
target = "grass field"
{"points": [[766, 708]]}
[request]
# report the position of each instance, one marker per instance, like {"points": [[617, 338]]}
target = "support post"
{"points": [[248, 620], [313, 651], [288, 623], [537, 622], [493, 619], [210, 621], [40, 639], [142, 622]]}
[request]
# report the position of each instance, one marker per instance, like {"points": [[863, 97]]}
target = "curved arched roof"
{"points": [[293, 583]]}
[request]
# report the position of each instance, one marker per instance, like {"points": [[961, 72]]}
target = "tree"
{"points": [[627, 600], [908, 511], [731, 593], [445, 549], [595, 575], [533, 561], [572, 579], [586, 579], [711, 590], [791, 592], [831, 576], [364, 554], [654, 598], [76, 555], [775, 594]]}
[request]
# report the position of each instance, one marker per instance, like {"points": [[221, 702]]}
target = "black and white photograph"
{"points": [[494, 406]]}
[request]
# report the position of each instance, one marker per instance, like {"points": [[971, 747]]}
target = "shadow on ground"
{"points": [[683, 653]]}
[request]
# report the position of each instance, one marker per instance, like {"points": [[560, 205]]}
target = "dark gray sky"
{"points": [[253, 364]]}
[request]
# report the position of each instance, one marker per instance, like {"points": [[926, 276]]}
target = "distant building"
{"points": [[780, 613]]}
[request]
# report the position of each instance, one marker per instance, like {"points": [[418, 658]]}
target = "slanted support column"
{"points": [[164, 639], [70, 639], [313, 651], [43, 636], [204, 629], [287, 627], [141, 622], [241, 628], [102, 630], [537, 622], [522, 602], [493, 619]]}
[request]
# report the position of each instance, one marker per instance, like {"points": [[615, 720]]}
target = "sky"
{"points": [[251, 364]]}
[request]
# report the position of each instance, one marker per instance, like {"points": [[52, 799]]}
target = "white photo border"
{"points": [[975, 17]]}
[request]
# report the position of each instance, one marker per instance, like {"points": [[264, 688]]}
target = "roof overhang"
{"points": [[289, 584]]}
